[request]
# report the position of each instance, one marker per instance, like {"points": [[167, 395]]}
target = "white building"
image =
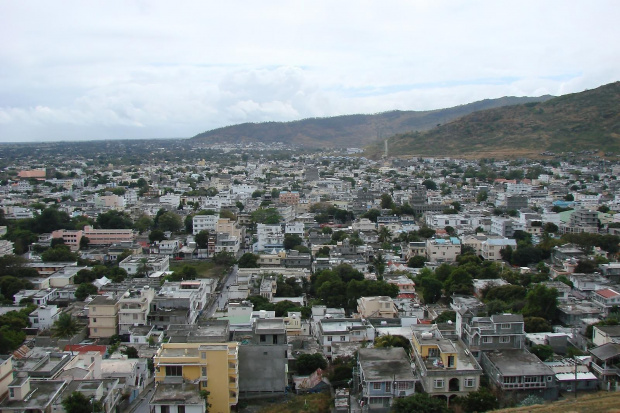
{"points": [[204, 223]]}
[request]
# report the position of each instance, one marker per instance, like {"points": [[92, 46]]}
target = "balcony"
{"points": [[605, 370]]}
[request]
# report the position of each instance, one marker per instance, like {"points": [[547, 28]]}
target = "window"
{"points": [[438, 384], [262, 338], [204, 372], [470, 382], [487, 339], [135, 316], [203, 355], [94, 320], [504, 340], [11, 392], [342, 338], [388, 386], [505, 326], [376, 386], [176, 371], [165, 409], [95, 330], [181, 409], [329, 338]]}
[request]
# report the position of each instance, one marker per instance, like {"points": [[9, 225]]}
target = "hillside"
{"points": [[588, 120], [349, 130], [601, 402]]}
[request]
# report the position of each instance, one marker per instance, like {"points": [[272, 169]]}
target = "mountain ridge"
{"points": [[357, 130], [588, 120]]}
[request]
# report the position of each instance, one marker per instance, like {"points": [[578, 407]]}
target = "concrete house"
{"points": [[444, 367], [384, 374]]}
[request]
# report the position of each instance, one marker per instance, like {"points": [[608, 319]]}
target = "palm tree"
{"points": [[385, 234], [65, 326]]}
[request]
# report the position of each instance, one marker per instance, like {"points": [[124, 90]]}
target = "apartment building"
{"points": [[376, 307], [443, 250], [134, 308], [214, 367]]}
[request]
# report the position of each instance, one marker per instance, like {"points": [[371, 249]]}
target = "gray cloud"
{"points": [[149, 69]]}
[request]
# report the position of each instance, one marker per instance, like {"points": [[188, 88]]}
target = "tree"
{"points": [[542, 351], [131, 352], [143, 224], [385, 235], [84, 242], [202, 239], [10, 285], [550, 227], [170, 221], [430, 184], [60, 253], [248, 260], [479, 401], [371, 214], [388, 340], [266, 216], [224, 258], [79, 403], [416, 262], [114, 220], [536, 325], [291, 241], [156, 235], [65, 326], [446, 316], [386, 201], [379, 264], [309, 363], [541, 302], [84, 290], [419, 403]]}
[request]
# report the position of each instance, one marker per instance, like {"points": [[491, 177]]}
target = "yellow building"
{"points": [[213, 366]]}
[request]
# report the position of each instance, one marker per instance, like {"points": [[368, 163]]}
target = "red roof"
{"points": [[406, 295], [607, 293], [84, 348]]}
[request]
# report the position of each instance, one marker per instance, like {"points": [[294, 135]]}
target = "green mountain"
{"points": [[349, 130], [586, 121]]}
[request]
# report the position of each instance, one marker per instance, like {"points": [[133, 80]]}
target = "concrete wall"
{"points": [[262, 368]]}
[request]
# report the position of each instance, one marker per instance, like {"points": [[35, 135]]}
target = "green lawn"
{"points": [[205, 269]]}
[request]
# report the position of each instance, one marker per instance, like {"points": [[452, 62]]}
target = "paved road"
{"points": [[141, 404], [222, 298]]}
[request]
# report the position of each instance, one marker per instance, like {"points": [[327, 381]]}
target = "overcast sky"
{"points": [[154, 69]]}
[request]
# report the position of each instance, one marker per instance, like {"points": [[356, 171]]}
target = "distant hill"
{"points": [[577, 122], [350, 130]]}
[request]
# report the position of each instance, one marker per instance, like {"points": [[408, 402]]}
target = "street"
{"points": [[222, 298]]}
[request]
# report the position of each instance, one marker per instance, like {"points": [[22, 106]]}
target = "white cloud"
{"points": [[149, 69]]}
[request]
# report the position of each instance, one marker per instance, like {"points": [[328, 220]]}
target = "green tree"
{"points": [[429, 184], [291, 241], [419, 403], [114, 220], [248, 260], [77, 402], [65, 326], [536, 325], [416, 262], [386, 201], [388, 340], [156, 235], [10, 285], [202, 239], [308, 363], [170, 221], [542, 351], [224, 258], [266, 216], [84, 290], [446, 316], [479, 401], [541, 302], [60, 253]]}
